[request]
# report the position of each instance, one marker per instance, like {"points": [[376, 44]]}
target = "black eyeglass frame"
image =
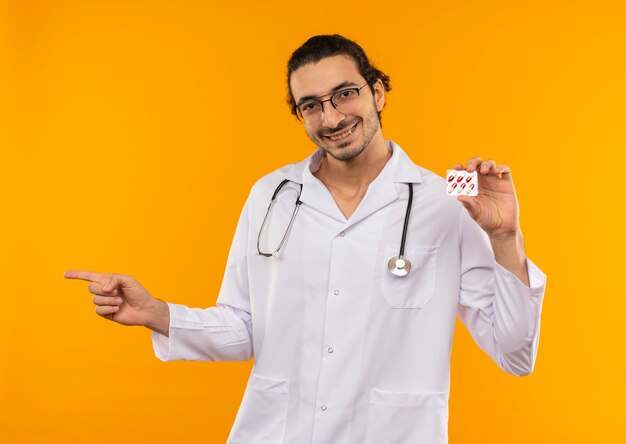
{"points": [[296, 107]]}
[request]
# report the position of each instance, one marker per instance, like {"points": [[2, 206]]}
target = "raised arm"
{"points": [[496, 210], [501, 290]]}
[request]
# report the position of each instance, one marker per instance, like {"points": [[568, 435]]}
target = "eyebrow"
{"points": [[342, 85]]}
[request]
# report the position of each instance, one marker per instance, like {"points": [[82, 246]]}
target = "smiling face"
{"points": [[343, 136]]}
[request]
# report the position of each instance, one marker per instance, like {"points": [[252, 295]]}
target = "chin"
{"points": [[346, 154]]}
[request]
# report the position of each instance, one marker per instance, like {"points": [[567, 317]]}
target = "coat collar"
{"points": [[381, 192]]}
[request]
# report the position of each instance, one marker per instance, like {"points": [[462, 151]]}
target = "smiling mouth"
{"points": [[342, 135]]}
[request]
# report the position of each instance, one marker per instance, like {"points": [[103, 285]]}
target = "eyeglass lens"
{"points": [[342, 100]]}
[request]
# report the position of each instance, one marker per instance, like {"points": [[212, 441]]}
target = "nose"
{"points": [[330, 116]]}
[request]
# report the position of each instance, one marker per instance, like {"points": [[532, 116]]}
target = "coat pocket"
{"points": [[407, 418], [416, 288], [262, 416]]}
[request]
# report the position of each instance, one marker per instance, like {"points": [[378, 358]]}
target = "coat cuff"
{"points": [[161, 343], [536, 278]]}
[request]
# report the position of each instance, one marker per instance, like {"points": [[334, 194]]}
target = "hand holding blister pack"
{"points": [[461, 183]]}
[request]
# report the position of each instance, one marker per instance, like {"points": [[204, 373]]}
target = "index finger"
{"points": [[473, 163], [85, 275]]}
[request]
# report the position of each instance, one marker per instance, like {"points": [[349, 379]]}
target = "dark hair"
{"points": [[321, 46]]}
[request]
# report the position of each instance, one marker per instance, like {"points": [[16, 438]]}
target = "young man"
{"points": [[346, 291]]}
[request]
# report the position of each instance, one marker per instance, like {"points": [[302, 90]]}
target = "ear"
{"points": [[379, 95]]}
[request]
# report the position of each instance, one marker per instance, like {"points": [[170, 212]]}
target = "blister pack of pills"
{"points": [[461, 183]]}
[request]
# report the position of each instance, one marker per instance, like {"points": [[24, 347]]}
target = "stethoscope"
{"points": [[398, 265]]}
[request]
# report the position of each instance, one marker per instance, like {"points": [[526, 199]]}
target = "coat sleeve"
{"points": [[220, 333], [500, 312]]}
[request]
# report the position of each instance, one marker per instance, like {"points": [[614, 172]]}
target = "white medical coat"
{"points": [[346, 352]]}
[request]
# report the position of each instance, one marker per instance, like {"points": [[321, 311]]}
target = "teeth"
{"points": [[342, 135]]}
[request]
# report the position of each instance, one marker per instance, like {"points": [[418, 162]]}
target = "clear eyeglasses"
{"points": [[342, 100]]}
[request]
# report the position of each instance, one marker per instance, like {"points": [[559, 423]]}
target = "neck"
{"points": [[359, 172]]}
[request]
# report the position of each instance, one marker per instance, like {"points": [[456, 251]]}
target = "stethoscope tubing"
{"points": [[407, 215], [398, 265], [269, 211]]}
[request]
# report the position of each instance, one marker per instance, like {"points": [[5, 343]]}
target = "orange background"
{"points": [[130, 133]]}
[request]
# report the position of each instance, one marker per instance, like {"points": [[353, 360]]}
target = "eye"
{"points": [[345, 95], [309, 107]]}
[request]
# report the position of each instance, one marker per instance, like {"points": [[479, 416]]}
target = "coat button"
{"points": [[323, 407], [330, 350], [336, 292], [342, 234]]}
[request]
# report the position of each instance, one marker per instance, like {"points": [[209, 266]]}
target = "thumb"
{"points": [[470, 204], [115, 282]]}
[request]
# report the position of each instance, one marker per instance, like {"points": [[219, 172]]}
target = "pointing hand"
{"points": [[118, 297]]}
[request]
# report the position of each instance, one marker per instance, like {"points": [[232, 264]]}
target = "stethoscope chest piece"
{"points": [[399, 266]]}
